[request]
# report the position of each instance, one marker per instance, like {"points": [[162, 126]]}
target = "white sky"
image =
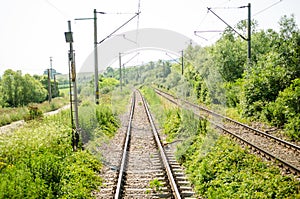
{"points": [[33, 30]]}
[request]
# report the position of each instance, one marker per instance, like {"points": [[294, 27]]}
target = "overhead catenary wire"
{"points": [[202, 20], [227, 24], [205, 16], [138, 26], [138, 21], [120, 13], [57, 9], [136, 14], [267, 8], [129, 60], [173, 59]]}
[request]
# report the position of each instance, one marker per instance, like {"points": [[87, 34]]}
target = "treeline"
{"points": [[267, 89], [20, 90]]}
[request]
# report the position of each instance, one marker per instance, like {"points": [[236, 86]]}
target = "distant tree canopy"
{"points": [[20, 90]]}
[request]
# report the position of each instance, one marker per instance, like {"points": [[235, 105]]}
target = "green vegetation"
{"points": [[97, 121], [20, 90], [155, 102], [37, 162], [156, 185], [33, 110], [23, 97], [227, 171], [100, 123], [9, 115], [220, 77], [107, 84], [216, 166]]}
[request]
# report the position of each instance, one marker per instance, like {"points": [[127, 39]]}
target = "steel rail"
{"points": [[162, 152], [236, 122], [125, 151], [290, 166]]}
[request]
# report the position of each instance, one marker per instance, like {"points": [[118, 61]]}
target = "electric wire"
{"points": [[120, 13], [57, 9], [138, 20], [137, 28], [267, 8]]}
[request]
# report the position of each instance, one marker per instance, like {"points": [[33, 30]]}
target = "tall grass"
{"points": [[37, 161], [9, 115]]}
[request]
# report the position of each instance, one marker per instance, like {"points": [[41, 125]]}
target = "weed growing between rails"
{"points": [[37, 161]]}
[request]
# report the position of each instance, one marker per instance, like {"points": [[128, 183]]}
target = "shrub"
{"points": [[37, 162], [107, 121]]}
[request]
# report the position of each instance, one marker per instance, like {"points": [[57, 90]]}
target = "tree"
{"points": [[288, 46], [230, 56], [109, 72], [18, 90], [262, 43], [285, 111], [263, 83]]}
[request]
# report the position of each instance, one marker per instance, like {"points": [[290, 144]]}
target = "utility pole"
{"points": [[73, 92], [182, 64], [96, 58], [249, 34], [55, 91], [124, 75], [49, 86], [50, 67], [95, 53], [96, 44], [120, 63]]}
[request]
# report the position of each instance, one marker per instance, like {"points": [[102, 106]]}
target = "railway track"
{"points": [[286, 154], [146, 169]]}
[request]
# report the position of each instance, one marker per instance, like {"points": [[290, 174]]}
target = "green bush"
{"points": [[285, 110], [227, 171], [34, 112], [293, 127], [37, 161], [172, 124], [155, 103], [107, 120], [87, 120], [218, 168]]}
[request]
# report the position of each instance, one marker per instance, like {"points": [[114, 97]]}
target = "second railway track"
{"points": [[286, 153]]}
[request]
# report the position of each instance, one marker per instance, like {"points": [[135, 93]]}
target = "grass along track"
{"points": [[285, 153]]}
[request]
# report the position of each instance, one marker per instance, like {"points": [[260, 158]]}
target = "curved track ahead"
{"points": [[285, 153]]}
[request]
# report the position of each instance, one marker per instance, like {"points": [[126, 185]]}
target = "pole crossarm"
{"points": [[246, 39], [83, 19]]}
